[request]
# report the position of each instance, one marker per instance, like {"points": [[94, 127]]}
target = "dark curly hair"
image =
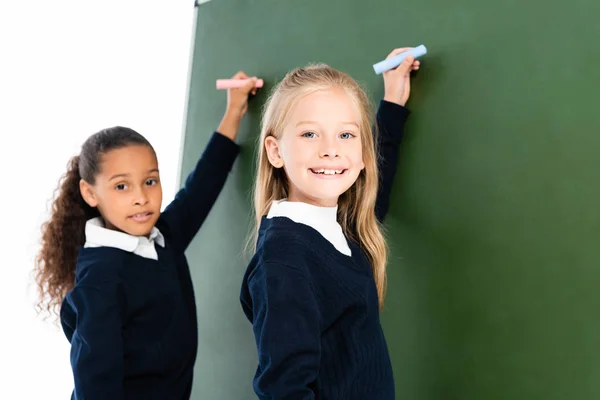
{"points": [[64, 233]]}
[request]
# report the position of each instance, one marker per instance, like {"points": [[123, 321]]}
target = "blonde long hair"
{"points": [[356, 206]]}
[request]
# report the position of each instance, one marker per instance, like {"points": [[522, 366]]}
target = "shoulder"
{"points": [[283, 241], [163, 227], [286, 250], [97, 265], [98, 283]]}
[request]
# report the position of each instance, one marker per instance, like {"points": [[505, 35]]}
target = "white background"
{"points": [[68, 69]]}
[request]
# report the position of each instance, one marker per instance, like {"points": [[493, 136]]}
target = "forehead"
{"points": [[128, 160], [327, 105]]}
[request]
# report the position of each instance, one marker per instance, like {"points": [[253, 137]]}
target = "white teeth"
{"points": [[328, 171]]}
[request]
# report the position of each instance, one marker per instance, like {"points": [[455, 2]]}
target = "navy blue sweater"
{"points": [[314, 310], [131, 321]]}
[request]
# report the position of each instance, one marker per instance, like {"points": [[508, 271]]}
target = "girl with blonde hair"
{"points": [[316, 283]]}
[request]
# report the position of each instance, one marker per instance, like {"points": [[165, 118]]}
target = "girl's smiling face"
{"points": [[320, 147]]}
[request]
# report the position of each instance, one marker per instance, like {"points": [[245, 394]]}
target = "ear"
{"points": [[362, 164], [87, 192], [273, 152]]}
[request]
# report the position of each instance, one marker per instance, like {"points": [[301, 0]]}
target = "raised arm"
{"points": [[391, 117], [186, 213], [390, 126]]}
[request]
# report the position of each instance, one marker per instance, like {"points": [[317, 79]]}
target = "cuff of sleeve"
{"points": [[221, 151], [392, 116]]}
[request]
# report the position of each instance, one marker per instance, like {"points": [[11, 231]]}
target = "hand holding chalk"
{"points": [[393, 62], [240, 87], [397, 80], [223, 84], [243, 86]]}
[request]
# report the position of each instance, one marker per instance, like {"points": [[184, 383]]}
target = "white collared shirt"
{"points": [[322, 219], [96, 235]]}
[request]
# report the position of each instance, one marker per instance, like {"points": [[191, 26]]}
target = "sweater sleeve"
{"points": [[287, 332], [96, 344], [192, 203], [391, 118]]}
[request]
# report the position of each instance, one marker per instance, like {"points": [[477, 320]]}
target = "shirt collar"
{"points": [[97, 235], [307, 213], [322, 219]]}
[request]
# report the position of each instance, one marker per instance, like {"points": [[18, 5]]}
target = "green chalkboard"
{"points": [[495, 226]]}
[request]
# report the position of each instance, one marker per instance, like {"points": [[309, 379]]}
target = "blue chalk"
{"points": [[393, 62]]}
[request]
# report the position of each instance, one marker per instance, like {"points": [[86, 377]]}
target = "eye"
{"points": [[309, 135], [152, 182], [347, 135], [121, 186]]}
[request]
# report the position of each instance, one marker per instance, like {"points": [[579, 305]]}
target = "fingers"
{"points": [[415, 64], [406, 66], [240, 75], [395, 52], [253, 89], [250, 86]]}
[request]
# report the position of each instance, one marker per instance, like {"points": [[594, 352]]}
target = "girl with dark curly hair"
{"points": [[113, 266]]}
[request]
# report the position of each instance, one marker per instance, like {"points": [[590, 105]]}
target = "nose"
{"points": [[329, 147], [141, 197]]}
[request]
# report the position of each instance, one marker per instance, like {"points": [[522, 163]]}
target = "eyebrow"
{"points": [[127, 175], [316, 123]]}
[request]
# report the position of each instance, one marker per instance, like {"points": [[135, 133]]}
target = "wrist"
{"points": [[395, 100], [230, 125], [233, 115]]}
